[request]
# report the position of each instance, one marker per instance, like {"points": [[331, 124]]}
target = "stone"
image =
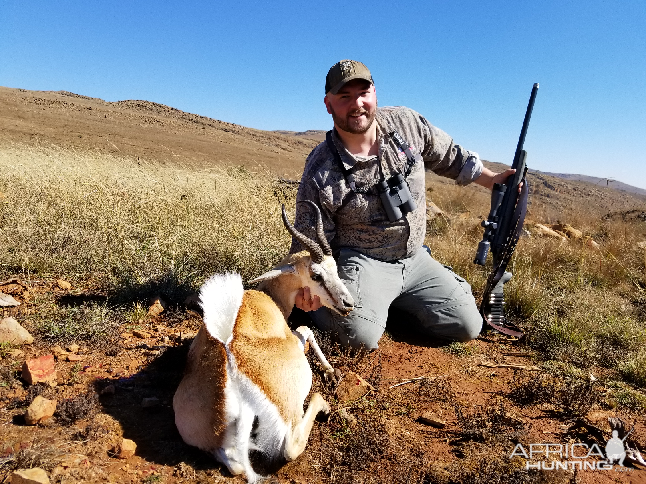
{"points": [[35, 475], [433, 211], [73, 348], [13, 289], [429, 418], [40, 369], [126, 449], [568, 230], [74, 460], [590, 242], [348, 417], [540, 229], [12, 332], [7, 301], [352, 387], [58, 351], [40, 409], [157, 307], [63, 284], [73, 357]]}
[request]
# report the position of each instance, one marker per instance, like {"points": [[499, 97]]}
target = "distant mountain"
{"points": [[592, 180], [315, 134], [607, 182]]}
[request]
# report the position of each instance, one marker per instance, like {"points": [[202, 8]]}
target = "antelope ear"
{"points": [[288, 269]]}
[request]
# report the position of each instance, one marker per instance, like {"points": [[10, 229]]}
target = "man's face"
{"points": [[354, 107]]}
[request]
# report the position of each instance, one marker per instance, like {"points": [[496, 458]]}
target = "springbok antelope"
{"points": [[246, 376]]}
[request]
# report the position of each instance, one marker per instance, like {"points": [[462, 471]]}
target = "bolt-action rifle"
{"points": [[502, 231]]}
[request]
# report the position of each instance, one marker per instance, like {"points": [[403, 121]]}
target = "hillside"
{"points": [[616, 184], [146, 130]]}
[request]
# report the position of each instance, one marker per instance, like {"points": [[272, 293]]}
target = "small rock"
{"points": [[73, 357], [433, 211], [429, 418], [150, 402], [590, 242], [40, 409], [141, 334], [35, 475], [126, 449], [73, 348], [63, 284], [157, 307], [14, 289], [352, 387], [74, 460], [40, 369], [58, 351], [7, 301], [12, 332], [348, 417], [568, 230], [543, 230]]}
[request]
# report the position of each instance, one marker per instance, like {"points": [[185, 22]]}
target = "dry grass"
{"points": [[125, 222]]}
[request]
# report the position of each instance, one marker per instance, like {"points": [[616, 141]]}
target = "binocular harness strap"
{"points": [[399, 141]]}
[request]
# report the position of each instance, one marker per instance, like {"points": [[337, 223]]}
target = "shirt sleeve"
{"points": [[442, 156]]}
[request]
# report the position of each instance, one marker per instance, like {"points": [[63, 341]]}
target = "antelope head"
{"points": [[314, 267]]}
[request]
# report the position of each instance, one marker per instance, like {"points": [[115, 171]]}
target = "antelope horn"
{"points": [[319, 228], [313, 248]]}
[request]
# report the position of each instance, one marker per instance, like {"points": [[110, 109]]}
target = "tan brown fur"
{"points": [[261, 330], [207, 359]]}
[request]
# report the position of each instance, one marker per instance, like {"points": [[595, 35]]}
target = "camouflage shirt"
{"points": [[357, 219]]}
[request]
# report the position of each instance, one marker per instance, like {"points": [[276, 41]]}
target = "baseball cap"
{"points": [[345, 71]]}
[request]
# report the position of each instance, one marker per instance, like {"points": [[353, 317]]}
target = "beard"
{"points": [[354, 125]]}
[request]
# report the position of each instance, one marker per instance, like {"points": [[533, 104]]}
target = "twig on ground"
{"points": [[512, 366]]}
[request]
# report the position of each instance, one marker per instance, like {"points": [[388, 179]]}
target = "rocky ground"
{"points": [[113, 420]]}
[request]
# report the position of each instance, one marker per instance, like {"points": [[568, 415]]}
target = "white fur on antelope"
{"points": [[246, 376]]}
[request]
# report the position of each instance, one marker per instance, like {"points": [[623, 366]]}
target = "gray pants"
{"points": [[440, 300]]}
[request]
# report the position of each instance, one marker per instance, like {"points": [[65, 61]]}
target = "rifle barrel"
{"points": [[523, 131]]}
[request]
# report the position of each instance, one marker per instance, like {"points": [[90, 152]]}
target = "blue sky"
{"points": [[467, 66]]}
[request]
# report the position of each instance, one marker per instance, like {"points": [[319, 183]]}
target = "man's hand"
{"points": [[305, 301], [488, 178]]}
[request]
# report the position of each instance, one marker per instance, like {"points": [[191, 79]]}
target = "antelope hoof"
{"points": [[332, 375]]}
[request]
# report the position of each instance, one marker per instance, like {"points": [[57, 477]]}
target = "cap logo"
{"points": [[347, 68]]}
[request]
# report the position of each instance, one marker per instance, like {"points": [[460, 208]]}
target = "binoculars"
{"points": [[396, 197]]}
